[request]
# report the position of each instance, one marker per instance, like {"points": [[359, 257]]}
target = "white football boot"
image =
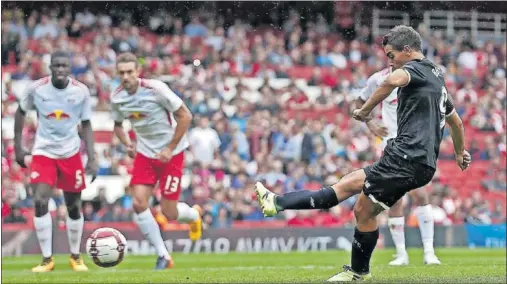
{"points": [[266, 199], [347, 275], [400, 260], [431, 259]]}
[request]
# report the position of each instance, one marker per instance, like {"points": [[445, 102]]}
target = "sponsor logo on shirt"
{"points": [[136, 115], [58, 115]]}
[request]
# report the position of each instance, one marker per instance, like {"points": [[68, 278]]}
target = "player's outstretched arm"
{"points": [[463, 158], [19, 122], [377, 130], [398, 78]]}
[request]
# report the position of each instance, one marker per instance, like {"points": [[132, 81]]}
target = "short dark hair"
{"points": [[401, 36], [126, 58], [60, 53]]}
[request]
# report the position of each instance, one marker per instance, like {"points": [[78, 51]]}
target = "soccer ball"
{"points": [[106, 246]]}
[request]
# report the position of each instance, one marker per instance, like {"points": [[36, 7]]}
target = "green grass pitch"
{"points": [[458, 266]]}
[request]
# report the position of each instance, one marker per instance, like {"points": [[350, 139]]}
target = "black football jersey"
{"points": [[423, 105]]}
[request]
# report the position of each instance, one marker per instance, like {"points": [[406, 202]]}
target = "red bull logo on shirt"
{"points": [[58, 115], [136, 115]]}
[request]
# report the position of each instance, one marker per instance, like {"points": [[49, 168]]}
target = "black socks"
{"points": [[362, 247], [324, 198]]}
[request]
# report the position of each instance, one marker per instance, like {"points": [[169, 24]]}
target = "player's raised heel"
{"points": [[195, 231], [77, 263], [164, 263], [266, 199], [47, 265], [348, 275]]}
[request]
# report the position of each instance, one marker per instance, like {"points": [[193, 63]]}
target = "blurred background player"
{"points": [[396, 221], [62, 103], [160, 121]]}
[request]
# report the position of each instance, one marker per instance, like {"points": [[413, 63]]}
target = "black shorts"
{"points": [[388, 179]]}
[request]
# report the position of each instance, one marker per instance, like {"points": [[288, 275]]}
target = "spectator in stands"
{"points": [[498, 215], [86, 18], [476, 217], [46, 28], [313, 144], [204, 141], [126, 200], [89, 214], [15, 216], [10, 43], [467, 93], [195, 28], [497, 183], [116, 214]]}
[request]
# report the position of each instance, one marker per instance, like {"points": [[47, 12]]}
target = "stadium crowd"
{"points": [[240, 135]]}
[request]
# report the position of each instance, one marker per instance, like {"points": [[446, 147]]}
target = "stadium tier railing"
{"points": [[477, 25]]}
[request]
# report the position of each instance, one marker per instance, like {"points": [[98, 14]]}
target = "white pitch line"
{"points": [[237, 268]]}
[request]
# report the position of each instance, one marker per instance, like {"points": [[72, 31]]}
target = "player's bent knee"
{"points": [[366, 210], [361, 211], [41, 207], [350, 185], [73, 203], [140, 204], [42, 194], [141, 197]]}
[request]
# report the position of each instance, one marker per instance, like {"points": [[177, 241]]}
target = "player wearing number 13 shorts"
{"points": [[160, 121]]}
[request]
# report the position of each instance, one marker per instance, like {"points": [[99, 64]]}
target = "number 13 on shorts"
{"points": [[171, 187]]}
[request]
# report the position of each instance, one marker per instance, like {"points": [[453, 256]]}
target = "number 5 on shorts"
{"points": [[79, 179], [171, 184]]}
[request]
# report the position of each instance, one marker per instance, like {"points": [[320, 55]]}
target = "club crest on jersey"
{"points": [[136, 115], [58, 115]]}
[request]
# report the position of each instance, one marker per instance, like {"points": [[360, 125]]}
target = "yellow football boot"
{"points": [[195, 230], [77, 263], [47, 265]]}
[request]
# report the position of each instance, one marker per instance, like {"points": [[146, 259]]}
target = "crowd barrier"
{"points": [[488, 236], [21, 239]]}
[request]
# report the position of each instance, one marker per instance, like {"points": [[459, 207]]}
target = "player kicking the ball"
{"points": [[160, 121], [61, 103], [409, 160], [396, 221]]}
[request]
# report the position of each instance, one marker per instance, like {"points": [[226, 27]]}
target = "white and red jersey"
{"points": [[150, 112], [59, 112], [389, 105]]}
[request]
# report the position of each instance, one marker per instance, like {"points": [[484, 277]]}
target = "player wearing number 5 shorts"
{"points": [[62, 103], [160, 121]]}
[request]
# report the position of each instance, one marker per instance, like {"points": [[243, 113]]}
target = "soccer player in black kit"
{"points": [[409, 160]]}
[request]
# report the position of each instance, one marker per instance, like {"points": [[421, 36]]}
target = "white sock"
{"points": [[44, 230], [151, 231], [186, 214], [397, 228], [426, 226], [74, 233]]}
